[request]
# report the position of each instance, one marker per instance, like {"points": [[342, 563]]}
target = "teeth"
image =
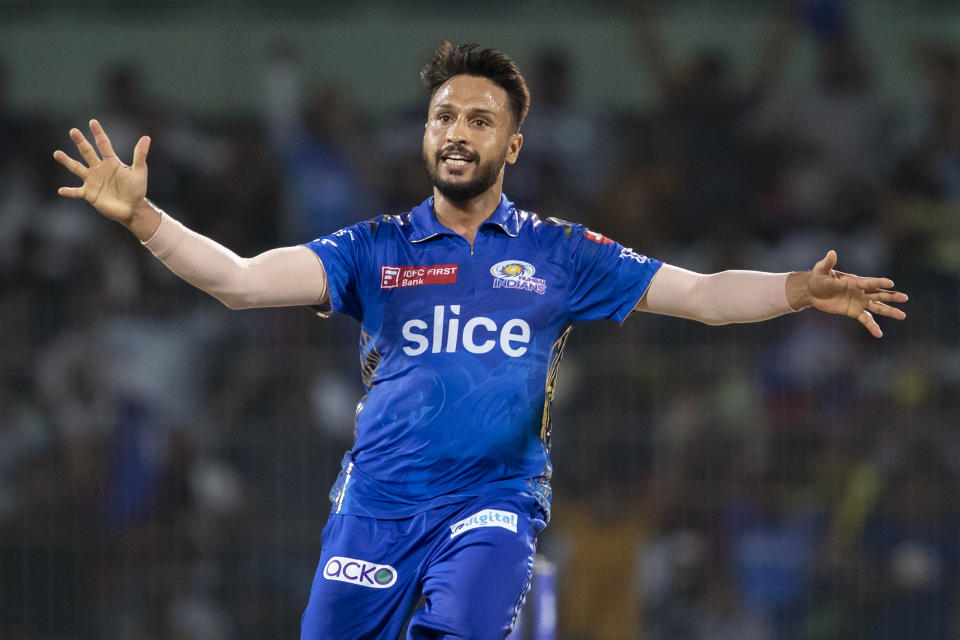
{"points": [[457, 161]]}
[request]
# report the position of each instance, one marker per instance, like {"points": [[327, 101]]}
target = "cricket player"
{"points": [[464, 304]]}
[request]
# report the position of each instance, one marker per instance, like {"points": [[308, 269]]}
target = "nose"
{"points": [[457, 131]]}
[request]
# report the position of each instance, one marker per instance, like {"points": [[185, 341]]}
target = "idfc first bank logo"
{"points": [[360, 572], [415, 276]]}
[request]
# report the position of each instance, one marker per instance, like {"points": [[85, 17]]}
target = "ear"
{"points": [[513, 148]]}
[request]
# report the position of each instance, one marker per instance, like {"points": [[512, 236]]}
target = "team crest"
{"points": [[517, 274]]}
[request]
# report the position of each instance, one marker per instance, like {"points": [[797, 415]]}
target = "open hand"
{"points": [[112, 187], [850, 295]]}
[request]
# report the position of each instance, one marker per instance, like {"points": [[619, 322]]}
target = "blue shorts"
{"points": [[467, 565]]}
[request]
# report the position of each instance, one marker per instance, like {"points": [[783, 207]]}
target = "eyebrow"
{"points": [[448, 105]]}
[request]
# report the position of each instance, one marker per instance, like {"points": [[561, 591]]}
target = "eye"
{"points": [[481, 123], [444, 117]]}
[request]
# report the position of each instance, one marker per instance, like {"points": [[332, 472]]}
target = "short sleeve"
{"points": [[344, 255], [607, 278]]}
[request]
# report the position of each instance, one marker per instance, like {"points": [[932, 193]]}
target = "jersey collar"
{"points": [[424, 223]]}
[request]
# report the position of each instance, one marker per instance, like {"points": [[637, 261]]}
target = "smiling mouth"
{"points": [[455, 159]]}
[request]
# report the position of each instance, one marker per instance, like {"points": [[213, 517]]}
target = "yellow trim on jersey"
{"points": [[550, 387]]}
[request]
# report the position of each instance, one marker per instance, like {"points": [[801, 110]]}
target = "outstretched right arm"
{"points": [[288, 276]]}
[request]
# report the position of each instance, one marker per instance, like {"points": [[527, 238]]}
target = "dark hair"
{"points": [[463, 59]]}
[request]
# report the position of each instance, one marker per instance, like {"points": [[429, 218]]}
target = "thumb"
{"points": [[140, 153], [824, 266]]}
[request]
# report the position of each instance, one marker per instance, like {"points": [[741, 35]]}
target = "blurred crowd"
{"points": [[165, 463]]}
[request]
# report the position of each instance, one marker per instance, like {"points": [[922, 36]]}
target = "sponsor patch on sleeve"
{"points": [[599, 238]]}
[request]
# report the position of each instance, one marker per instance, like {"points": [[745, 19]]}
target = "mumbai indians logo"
{"points": [[517, 274], [360, 572]]}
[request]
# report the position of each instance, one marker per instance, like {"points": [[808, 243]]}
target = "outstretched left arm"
{"points": [[750, 296]]}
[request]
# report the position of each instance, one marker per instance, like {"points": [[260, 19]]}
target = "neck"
{"points": [[466, 217]]}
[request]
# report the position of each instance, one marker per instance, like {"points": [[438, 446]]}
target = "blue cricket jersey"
{"points": [[460, 346]]}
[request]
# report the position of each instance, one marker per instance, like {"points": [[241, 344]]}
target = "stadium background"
{"points": [[164, 463]]}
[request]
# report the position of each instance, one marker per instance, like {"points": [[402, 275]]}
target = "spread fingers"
{"points": [[76, 168], [84, 147], [100, 137], [71, 192]]}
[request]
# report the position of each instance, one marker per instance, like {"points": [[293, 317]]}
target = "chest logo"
{"points": [[415, 276], [517, 274]]}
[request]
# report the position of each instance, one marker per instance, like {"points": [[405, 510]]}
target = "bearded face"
{"points": [[470, 134]]}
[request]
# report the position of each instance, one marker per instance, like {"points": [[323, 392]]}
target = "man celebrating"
{"points": [[464, 303]]}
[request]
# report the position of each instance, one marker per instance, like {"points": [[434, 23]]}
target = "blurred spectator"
{"points": [[671, 575], [808, 374], [10, 129], [241, 198], [831, 133], [125, 106], [325, 149], [282, 97], [910, 544], [180, 152], [25, 183], [567, 149], [773, 532], [593, 543], [922, 216], [639, 196], [702, 113], [930, 136], [329, 168]]}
